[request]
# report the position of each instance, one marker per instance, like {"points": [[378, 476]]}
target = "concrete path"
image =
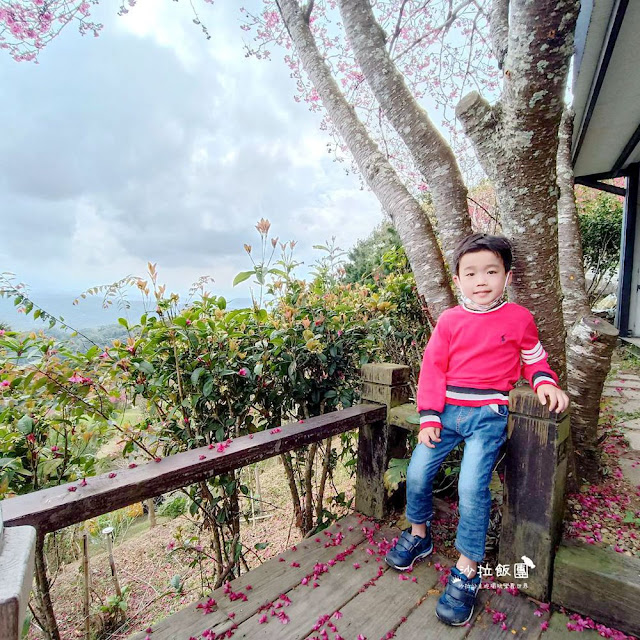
{"points": [[622, 393]]}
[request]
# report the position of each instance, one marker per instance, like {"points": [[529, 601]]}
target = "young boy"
{"points": [[477, 352]]}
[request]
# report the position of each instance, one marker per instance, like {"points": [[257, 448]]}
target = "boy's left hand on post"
{"points": [[558, 399]]}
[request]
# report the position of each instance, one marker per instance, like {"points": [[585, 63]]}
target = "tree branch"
{"points": [[306, 11], [410, 220], [480, 122], [432, 155], [396, 31], [575, 303], [499, 30]]}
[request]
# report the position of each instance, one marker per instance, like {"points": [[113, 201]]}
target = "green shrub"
{"points": [[173, 507]]}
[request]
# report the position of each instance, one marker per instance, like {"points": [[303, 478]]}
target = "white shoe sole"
{"points": [[457, 624]]}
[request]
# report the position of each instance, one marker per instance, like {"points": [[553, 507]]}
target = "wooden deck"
{"points": [[336, 585]]}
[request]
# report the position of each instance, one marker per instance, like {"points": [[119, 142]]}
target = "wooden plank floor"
{"points": [[336, 585]]}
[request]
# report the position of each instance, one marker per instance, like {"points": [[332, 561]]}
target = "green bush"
{"points": [[600, 222], [174, 507]]}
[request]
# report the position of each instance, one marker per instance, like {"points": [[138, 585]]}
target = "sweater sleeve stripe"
{"points": [[431, 416], [542, 377], [531, 356]]}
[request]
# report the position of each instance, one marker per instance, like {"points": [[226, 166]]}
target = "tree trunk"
{"points": [[293, 489], [516, 142], [43, 592], [589, 347], [575, 303], [408, 216], [310, 459], [431, 153], [326, 463], [590, 340]]}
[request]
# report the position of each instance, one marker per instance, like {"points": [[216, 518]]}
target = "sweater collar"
{"points": [[501, 302]]}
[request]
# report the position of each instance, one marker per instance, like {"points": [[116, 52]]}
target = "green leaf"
{"points": [[123, 322], [242, 276], [395, 474], [146, 367], [25, 425], [260, 545], [196, 375], [49, 466], [26, 625], [180, 321], [207, 388]]}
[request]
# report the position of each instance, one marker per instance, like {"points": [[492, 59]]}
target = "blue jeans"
{"points": [[484, 432]]}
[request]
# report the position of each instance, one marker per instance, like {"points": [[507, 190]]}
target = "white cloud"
{"points": [[151, 143]]}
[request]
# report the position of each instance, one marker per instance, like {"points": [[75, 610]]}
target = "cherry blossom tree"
{"points": [[418, 94], [389, 47]]}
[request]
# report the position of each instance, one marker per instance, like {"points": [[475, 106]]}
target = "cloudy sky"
{"points": [[151, 143]]}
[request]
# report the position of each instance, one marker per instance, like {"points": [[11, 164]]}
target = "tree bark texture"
{"points": [[408, 217], [430, 151], [516, 142], [589, 347], [575, 303], [499, 29], [590, 340]]}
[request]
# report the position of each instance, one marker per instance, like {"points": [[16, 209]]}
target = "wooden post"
{"points": [[379, 442], [151, 509], [108, 532], [87, 585], [17, 547], [533, 506], [256, 476]]}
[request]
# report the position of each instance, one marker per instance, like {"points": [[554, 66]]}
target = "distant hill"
{"points": [[87, 315]]}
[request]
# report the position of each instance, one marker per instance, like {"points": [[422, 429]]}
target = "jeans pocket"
{"points": [[500, 409]]}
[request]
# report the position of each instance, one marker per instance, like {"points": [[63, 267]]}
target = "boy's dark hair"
{"points": [[484, 242]]}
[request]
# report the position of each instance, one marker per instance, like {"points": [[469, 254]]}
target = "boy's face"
{"points": [[481, 276]]}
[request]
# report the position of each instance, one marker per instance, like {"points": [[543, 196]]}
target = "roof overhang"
{"points": [[606, 88]]}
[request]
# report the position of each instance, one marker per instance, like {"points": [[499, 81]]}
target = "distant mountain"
{"points": [[87, 314]]}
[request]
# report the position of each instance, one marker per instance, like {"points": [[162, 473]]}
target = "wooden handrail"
{"points": [[52, 509]]}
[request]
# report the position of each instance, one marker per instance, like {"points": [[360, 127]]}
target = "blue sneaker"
{"points": [[408, 549], [456, 604]]}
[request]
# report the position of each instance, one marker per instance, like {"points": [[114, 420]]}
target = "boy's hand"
{"points": [[429, 434], [558, 399]]}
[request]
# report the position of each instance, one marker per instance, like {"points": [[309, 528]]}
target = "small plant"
{"points": [[631, 517], [113, 612], [174, 507]]}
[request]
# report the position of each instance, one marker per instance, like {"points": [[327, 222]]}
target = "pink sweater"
{"points": [[475, 358]]}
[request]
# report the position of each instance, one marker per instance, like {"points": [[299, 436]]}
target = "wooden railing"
{"points": [[532, 507], [52, 509], [28, 518]]}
